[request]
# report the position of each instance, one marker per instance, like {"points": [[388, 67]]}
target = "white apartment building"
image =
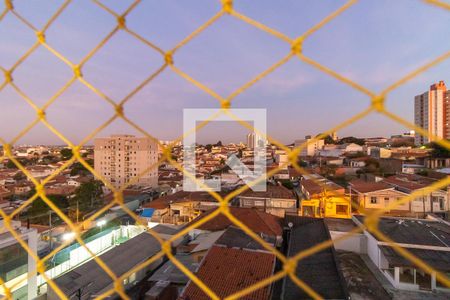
{"points": [[254, 140], [16, 263], [312, 147], [432, 113], [120, 158]]}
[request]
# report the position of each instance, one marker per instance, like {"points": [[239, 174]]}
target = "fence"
{"points": [[168, 62]]}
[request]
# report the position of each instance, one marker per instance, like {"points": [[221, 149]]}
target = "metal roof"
{"points": [[320, 270], [92, 278]]}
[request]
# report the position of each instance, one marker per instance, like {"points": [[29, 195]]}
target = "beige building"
{"points": [[432, 113], [312, 147], [120, 158]]}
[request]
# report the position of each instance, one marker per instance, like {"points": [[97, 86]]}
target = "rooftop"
{"points": [[229, 270], [170, 272], [414, 231], [273, 191], [234, 237], [439, 260], [368, 187], [320, 270], [257, 221], [181, 196], [93, 279]]}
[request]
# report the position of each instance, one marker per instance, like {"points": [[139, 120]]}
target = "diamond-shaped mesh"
{"points": [[168, 62]]}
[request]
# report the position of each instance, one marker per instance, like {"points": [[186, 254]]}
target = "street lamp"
{"points": [[68, 236], [101, 223]]}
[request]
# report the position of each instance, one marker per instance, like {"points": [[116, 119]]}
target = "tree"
{"points": [[23, 161], [351, 139], [218, 144], [302, 163], [11, 165], [38, 211], [438, 151], [327, 139], [66, 153], [86, 195], [79, 169], [19, 176], [208, 147]]}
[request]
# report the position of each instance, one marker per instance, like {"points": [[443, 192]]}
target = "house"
{"points": [[434, 202], [358, 162], [4, 193], [238, 269], [412, 168], [368, 196], [428, 240], [323, 198], [266, 225], [180, 207], [277, 200]]}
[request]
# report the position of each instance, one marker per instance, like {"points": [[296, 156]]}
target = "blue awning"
{"points": [[147, 212]]}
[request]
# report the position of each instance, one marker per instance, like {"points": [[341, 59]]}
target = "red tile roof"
{"points": [[229, 270], [367, 187], [257, 221], [273, 191], [404, 184]]}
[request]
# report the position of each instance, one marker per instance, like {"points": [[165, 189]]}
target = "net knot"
{"points": [[297, 45]]}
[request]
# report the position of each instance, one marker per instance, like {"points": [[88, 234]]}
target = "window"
{"points": [[386, 199], [341, 209], [373, 200]]}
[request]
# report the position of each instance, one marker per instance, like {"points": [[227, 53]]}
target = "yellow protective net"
{"points": [[167, 61]]}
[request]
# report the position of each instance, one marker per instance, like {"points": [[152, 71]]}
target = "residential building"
{"points": [[434, 202], [17, 267], [277, 200], [323, 198], [427, 240], [266, 225], [368, 196], [379, 152], [120, 158], [229, 270], [311, 148], [432, 113]]}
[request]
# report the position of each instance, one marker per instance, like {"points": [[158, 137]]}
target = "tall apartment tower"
{"points": [[251, 140], [119, 158], [254, 140], [432, 113]]}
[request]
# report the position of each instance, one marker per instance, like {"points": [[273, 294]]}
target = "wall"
{"points": [[356, 243]]}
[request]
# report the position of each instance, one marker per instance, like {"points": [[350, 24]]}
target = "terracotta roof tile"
{"points": [[257, 221], [273, 191], [367, 187], [229, 270]]}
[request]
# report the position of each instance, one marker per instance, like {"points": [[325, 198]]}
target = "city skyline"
{"points": [[376, 53]]}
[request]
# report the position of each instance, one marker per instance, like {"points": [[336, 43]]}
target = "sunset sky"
{"points": [[374, 43]]}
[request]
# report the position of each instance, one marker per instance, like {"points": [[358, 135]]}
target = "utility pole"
{"points": [[50, 231]]}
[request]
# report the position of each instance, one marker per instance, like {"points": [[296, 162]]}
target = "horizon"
{"points": [[299, 99]]}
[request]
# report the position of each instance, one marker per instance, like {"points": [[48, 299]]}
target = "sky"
{"points": [[374, 43]]}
